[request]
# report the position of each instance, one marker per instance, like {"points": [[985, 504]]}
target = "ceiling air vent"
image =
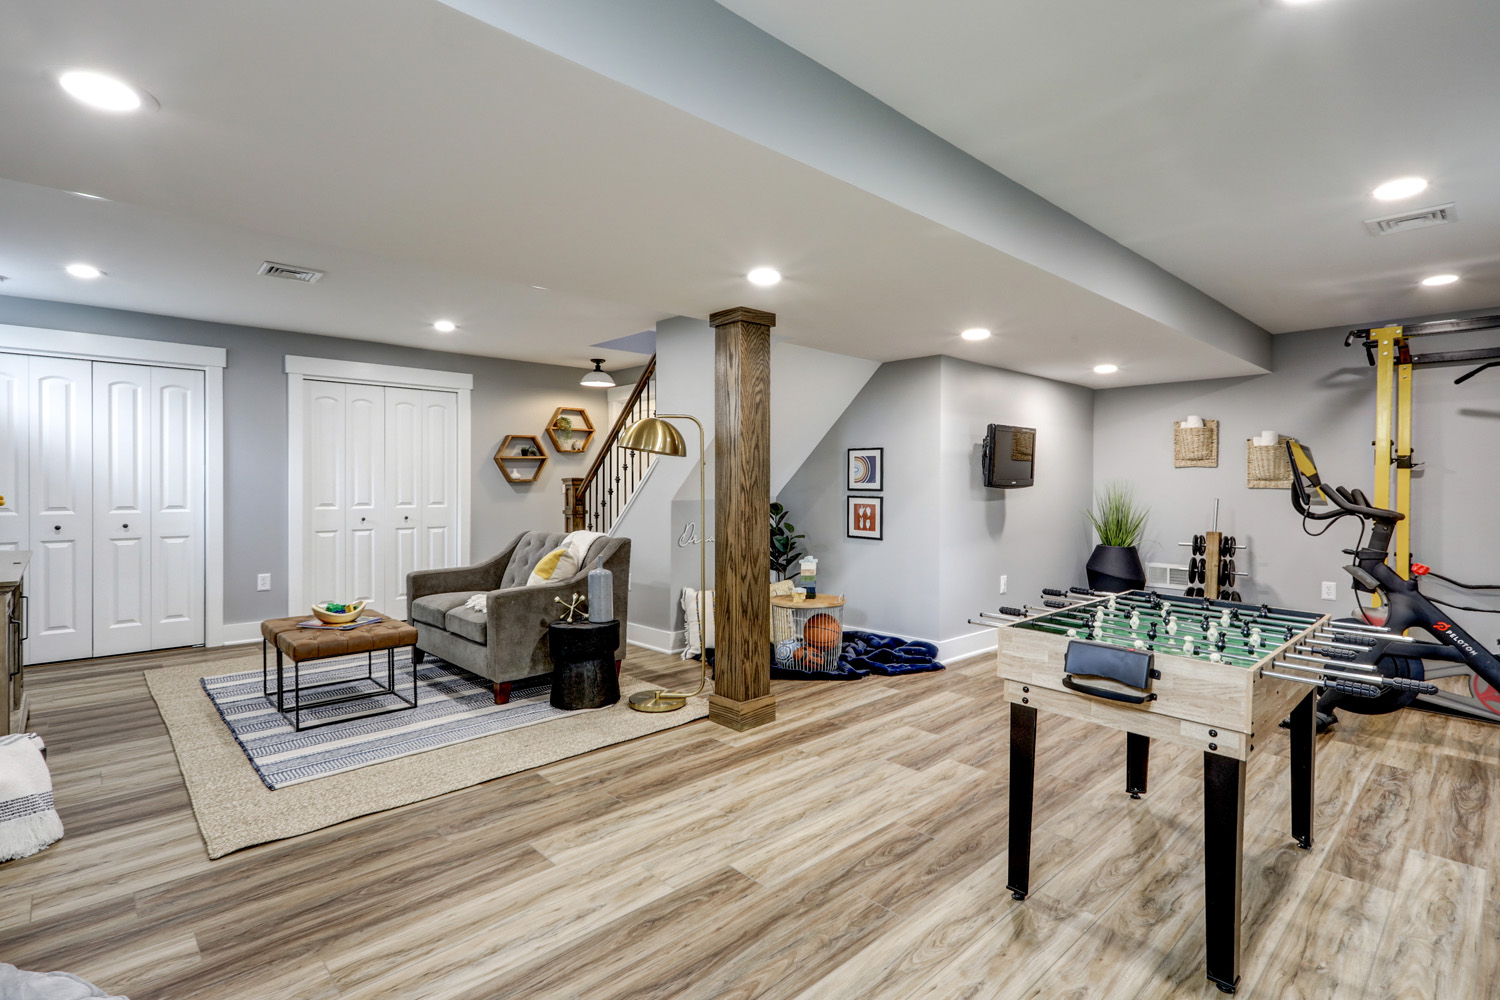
{"points": [[1420, 219], [291, 272]]}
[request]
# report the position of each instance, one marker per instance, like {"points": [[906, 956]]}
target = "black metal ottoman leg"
{"points": [[280, 684], [1304, 767], [1223, 860], [1022, 784], [1137, 755]]}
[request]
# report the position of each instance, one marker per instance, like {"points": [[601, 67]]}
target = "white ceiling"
{"points": [[1233, 142], [437, 167]]}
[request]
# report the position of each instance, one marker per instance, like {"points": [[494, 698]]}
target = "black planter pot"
{"points": [[1116, 568]]}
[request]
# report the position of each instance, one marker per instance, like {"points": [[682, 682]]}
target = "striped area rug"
{"points": [[453, 706]]}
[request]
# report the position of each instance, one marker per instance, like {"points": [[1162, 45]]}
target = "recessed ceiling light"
{"points": [[1437, 280], [540, 288], [1401, 187], [764, 276], [91, 197], [98, 90], [445, 326], [83, 270], [977, 333], [1106, 369]]}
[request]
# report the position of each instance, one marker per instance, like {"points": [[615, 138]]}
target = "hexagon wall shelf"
{"points": [[518, 468], [579, 435]]}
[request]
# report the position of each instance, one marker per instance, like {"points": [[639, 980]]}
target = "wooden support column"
{"points": [[742, 696]]}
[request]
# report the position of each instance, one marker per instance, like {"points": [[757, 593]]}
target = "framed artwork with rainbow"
{"points": [[866, 469]]}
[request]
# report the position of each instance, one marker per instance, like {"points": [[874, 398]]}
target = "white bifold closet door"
{"points": [[148, 508], [102, 473], [380, 483]]}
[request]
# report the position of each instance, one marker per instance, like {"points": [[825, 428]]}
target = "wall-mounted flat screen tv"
{"points": [[1009, 457]]}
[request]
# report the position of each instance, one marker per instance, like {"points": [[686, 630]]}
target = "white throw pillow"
{"points": [[690, 618]]}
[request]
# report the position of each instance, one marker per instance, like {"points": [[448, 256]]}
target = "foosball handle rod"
{"points": [[1347, 687]]}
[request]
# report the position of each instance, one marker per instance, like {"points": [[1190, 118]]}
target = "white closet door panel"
{"points": [[15, 442], [122, 483], [61, 472], [364, 433], [402, 519], [177, 501], [325, 551], [439, 477]]}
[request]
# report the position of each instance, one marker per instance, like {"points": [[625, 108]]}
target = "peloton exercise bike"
{"points": [[1380, 648]]}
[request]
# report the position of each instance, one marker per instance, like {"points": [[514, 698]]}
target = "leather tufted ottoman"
{"points": [[301, 645]]}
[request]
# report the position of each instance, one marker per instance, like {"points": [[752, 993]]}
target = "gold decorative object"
{"points": [[350, 612], [571, 430], [655, 435], [572, 607], [516, 467]]}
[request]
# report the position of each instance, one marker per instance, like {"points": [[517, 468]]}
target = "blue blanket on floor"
{"points": [[866, 653]]}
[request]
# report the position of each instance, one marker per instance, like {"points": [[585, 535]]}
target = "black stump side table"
{"points": [[583, 664]]}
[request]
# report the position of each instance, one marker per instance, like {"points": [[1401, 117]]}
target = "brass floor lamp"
{"points": [[655, 435]]}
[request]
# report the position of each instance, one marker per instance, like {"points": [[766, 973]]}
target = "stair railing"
{"points": [[595, 501]]}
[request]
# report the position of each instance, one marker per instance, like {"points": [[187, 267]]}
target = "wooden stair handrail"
{"points": [[619, 426]]}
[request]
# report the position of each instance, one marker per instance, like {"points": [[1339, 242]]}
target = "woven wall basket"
{"points": [[1267, 466], [1196, 447]]}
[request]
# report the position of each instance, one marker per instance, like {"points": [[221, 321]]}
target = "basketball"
{"points": [[822, 632]]}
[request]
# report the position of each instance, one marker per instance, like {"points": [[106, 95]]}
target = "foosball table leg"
{"points": [[1223, 857], [1304, 734], [1022, 783], [1137, 755]]}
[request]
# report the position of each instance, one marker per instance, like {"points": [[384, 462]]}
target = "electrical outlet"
{"points": [[263, 581], [1004, 583], [1330, 590]]}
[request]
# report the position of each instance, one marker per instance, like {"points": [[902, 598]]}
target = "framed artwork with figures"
{"points": [[866, 518], [866, 469]]}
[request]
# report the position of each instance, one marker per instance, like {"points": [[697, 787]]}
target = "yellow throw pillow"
{"points": [[559, 564]]}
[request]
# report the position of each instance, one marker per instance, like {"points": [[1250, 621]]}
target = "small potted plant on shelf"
{"points": [[1119, 521], [564, 427]]}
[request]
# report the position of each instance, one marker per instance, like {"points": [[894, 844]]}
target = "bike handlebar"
{"points": [[1305, 476]]}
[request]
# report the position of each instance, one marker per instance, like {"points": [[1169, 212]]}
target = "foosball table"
{"points": [[1210, 675]]}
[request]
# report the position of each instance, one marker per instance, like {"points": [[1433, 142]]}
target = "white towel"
{"points": [[28, 817], [479, 602]]}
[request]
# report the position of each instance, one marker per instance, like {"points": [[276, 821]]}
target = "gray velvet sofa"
{"points": [[509, 640]]}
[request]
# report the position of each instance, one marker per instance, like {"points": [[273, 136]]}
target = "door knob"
{"points": [[406, 517], [57, 527], [361, 519], [124, 527]]}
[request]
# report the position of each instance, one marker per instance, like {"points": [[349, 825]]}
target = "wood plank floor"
{"points": [[854, 849]]}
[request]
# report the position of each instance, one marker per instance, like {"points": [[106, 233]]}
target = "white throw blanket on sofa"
{"points": [[28, 817]]}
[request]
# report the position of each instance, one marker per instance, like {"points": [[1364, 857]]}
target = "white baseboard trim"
{"points": [[658, 640], [239, 633]]}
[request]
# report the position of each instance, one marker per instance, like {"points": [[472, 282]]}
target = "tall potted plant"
{"points": [[784, 538], [1119, 521]]}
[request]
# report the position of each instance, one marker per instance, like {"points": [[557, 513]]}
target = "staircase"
{"points": [[598, 499]]}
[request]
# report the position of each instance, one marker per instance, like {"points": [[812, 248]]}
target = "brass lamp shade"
{"points": [[654, 435]]}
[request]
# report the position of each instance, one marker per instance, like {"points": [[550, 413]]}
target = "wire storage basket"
{"points": [[808, 634]]}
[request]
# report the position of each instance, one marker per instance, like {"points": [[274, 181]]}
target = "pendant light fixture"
{"points": [[598, 378]]}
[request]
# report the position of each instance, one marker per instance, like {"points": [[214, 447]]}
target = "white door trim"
{"points": [[129, 350], [331, 370]]}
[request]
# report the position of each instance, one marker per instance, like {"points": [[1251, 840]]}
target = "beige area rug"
{"points": [[235, 809]]}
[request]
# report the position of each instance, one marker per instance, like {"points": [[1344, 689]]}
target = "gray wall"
{"points": [[948, 538], [1036, 536], [1323, 395], [890, 585], [509, 397]]}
